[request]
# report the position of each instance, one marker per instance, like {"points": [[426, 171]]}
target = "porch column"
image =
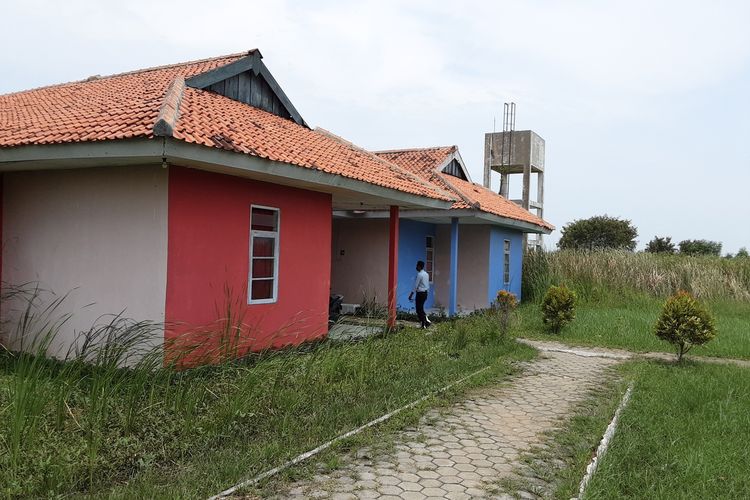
{"points": [[453, 279], [392, 266]]}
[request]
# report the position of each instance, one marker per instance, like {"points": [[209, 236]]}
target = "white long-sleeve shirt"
{"points": [[422, 281]]}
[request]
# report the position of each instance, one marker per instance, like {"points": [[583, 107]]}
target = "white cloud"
{"points": [[629, 95]]}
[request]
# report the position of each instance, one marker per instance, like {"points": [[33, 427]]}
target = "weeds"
{"points": [[600, 275], [112, 418]]}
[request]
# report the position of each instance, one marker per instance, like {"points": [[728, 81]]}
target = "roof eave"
{"points": [[459, 213], [154, 151], [526, 227]]}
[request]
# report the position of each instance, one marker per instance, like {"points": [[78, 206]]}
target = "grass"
{"points": [[597, 275], [620, 295], [629, 324], [682, 436], [90, 426]]}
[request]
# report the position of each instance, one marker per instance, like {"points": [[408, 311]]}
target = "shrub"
{"points": [[558, 307], [661, 245], [505, 303], [700, 247], [598, 233], [684, 322]]}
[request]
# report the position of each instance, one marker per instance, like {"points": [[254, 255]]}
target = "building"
{"points": [[476, 244], [192, 195]]}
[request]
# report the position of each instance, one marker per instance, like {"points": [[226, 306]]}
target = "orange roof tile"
{"points": [[128, 105], [492, 203], [425, 162], [100, 108], [422, 161]]}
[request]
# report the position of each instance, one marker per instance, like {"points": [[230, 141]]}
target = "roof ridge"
{"points": [[405, 150], [169, 112], [473, 204], [389, 164], [97, 78]]}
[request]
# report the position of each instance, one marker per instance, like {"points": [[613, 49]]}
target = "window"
{"points": [[429, 260], [506, 262], [264, 255]]}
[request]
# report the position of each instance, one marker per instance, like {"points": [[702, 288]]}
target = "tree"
{"points": [[661, 245], [600, 232], [684, 322], [742, 253], [700, 247]]}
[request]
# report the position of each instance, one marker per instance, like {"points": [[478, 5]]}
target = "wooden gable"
{"points": [[454, 168], [248, 80]]}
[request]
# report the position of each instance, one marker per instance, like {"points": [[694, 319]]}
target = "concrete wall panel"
{"points": [[473, 260], [412, 246], [99, 234], [359, 266], [497, 268], [209, 258]]}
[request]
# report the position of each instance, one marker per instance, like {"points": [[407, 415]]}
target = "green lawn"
{"points": [[73, 430], [684, 435], [628, 323]]}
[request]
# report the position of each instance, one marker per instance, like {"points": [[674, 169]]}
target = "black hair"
{"points": [[420, 265]]}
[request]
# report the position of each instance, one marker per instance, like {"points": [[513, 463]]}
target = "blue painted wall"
{"points": [[495, 279], [411, 248]]}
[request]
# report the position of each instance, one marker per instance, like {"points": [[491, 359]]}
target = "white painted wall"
{"points": [[99, 234], [359, 260], [473, 266]]}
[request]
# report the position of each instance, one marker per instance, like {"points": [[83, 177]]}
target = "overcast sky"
{"points": [[644, 105]]}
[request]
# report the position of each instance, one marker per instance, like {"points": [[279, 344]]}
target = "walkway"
{"points": [[622, 354], [463, 452]]}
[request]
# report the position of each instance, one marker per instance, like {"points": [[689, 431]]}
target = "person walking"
{"points": [[421, 289]]}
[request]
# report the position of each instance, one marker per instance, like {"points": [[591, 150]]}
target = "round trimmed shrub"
{"points": [[558, 307], [684, 322]]}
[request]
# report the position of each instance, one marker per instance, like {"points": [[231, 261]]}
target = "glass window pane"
{"points": [[507, 245], [262, 289], [263, 246], [429, 242], [263, 268], [264, 219]]}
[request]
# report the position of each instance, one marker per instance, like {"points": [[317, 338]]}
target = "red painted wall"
{"points": [[208, 262], [2, 241]]}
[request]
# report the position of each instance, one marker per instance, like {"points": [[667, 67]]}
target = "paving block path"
{"points": [[461, 452]]}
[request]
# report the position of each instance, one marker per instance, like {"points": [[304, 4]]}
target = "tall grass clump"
{"points": [[595, 275]]}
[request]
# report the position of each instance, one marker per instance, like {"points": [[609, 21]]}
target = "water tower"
{"points": [[513, 152]]}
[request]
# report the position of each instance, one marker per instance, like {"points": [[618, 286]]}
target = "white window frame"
{"points": [[506, 267], [431, 274], [264, 234]]}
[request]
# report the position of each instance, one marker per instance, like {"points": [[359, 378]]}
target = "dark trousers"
{"points": [[420, 299]]}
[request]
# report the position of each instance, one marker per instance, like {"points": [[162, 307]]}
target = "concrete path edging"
{"points": [[309, 454], [601, 450]]}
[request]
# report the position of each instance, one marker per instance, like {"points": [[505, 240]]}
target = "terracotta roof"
{"points": [[492, 203], [129, 105], [422, 161], [100, 108], [425, 162]]}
